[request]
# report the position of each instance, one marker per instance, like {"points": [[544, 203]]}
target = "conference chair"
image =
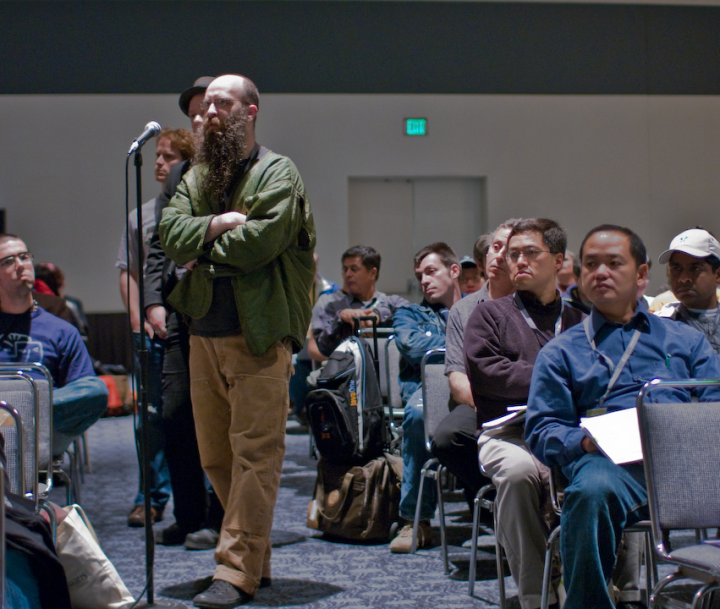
{"points": [[45, 464], [21, 391], [482, 501], [435, 394], [682, 460], [383, 334], [16, 469], [557, 483]]}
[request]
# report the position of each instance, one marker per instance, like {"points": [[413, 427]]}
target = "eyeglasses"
{"points": [[529, 254], [9, 261], [220, 102]]}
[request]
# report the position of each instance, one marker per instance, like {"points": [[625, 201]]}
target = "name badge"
{"points": [[595, 412]]}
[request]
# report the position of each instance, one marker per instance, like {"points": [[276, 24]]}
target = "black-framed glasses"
{"points": [[9, 261], [529, 254]]}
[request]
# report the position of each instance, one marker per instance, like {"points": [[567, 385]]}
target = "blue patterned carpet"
{"points": [[308, 570]]}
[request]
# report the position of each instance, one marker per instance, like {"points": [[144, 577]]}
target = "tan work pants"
{"points": [[521, 500], [240, 402]]}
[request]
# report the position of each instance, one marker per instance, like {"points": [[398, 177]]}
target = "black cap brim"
{"points": [[199, 87]]}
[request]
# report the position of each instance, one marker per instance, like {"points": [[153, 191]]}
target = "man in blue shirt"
{"points": [[418, 329], [28, 333], [572, 378]]}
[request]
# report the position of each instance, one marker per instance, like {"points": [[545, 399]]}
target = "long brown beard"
{"points": [[223, 153]]}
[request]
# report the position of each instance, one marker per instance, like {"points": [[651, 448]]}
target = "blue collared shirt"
{"points": [[569, 378]]}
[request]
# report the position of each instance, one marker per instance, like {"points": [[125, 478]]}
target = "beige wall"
{"points": [[648, 162]]}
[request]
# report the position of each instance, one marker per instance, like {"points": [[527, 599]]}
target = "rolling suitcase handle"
{"points": [[356, 331]]}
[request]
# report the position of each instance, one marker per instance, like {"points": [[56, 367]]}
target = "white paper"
{"points": [[517, 415], [617, 435]]}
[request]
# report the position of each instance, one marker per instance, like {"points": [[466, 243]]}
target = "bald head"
{"points": [[241, 86], [230, 95]]}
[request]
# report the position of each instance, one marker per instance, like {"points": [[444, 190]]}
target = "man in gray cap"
{"points": [[198, 513], [694, 271]]}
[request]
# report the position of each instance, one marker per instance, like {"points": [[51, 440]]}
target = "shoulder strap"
{"points": [[320, 496]]}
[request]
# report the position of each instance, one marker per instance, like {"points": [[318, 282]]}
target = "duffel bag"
{"points": [[359, 502]]}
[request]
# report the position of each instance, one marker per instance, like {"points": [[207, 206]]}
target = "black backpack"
{"points": [[345, 412]]}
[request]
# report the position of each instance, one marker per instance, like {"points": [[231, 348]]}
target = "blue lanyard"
{"points": [[616, 370]]}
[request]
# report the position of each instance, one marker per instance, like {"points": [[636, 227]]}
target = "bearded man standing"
{"points": [[241, 222]]}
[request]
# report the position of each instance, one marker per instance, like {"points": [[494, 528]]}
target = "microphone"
{"points": [[151, 130]]}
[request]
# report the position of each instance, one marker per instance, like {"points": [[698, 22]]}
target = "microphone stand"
{"points": [[143, 382]]}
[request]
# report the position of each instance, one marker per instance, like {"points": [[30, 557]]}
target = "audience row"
{"points": [[554, 338]]}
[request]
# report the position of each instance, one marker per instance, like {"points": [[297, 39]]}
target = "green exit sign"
{"points": [[415, 126]]}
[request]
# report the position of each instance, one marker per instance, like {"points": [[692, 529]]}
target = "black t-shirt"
{"points": [[222, 317]]}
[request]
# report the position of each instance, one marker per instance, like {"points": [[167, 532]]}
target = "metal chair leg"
{"points": [[473, 546], [441, 514], [660, 586], [416, 523], [499, 560], [75, 481], [698, 598], [86, 454], [547, 569], [78, 460]]}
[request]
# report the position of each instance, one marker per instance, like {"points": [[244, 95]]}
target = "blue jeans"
{"points": [[415, 454], [159, 475], [299, 387], [602, 499], [76, 406]]}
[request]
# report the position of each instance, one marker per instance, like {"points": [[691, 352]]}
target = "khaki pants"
{"points": [[521, 500], [240, 403]]}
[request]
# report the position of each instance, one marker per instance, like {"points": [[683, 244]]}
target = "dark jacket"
{"points": [[160, 278], [500, 349]]}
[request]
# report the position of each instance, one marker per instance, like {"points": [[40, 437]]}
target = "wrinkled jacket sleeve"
{"points": [[155, 266], [416, 333], [275, 216], [551, 424], [154, 273], [330, 329], [387, 309], [182, 234], [492, 372]]}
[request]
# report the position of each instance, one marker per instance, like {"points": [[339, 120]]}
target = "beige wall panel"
{"points": [[648, 162]]}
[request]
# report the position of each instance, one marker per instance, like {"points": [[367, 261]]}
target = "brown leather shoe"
{"points": [[136, 517]]}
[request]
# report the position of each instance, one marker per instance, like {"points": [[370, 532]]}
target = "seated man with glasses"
{"points": [[30, 334], [502, 340]]}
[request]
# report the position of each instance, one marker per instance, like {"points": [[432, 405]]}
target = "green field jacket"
{"points": [[270, 258]]}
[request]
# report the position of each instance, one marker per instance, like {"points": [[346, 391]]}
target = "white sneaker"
{"points": [[403, 542]]}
